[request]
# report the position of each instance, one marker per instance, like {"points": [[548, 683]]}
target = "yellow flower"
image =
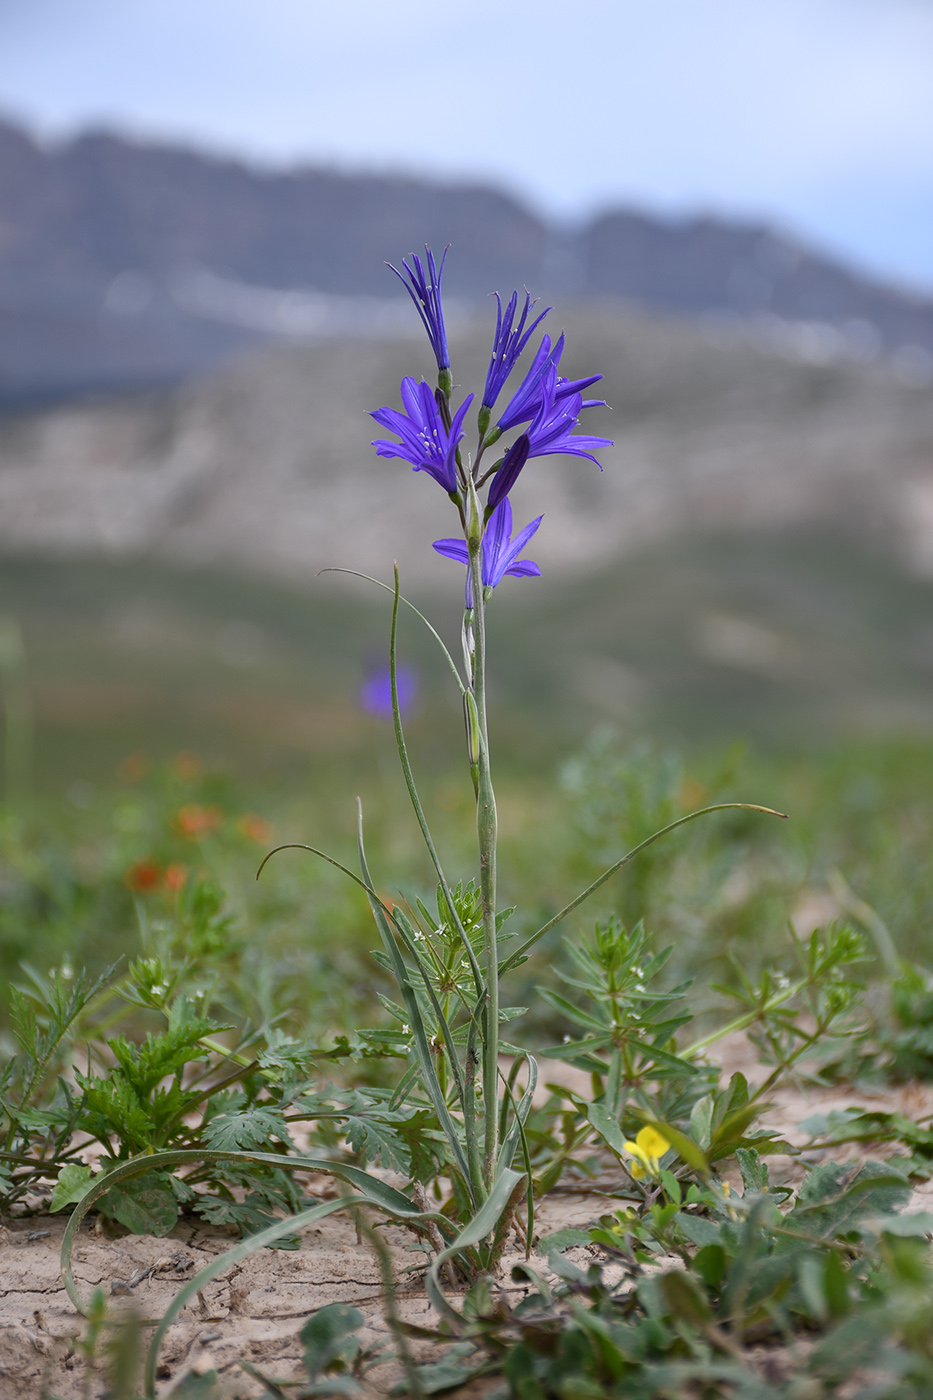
{"points": [[647, 1149]]}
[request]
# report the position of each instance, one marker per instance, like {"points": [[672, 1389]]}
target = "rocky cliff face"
{"points": [[125, 265]]}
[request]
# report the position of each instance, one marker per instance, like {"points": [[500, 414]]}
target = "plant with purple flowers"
{"points": [[448, 969], [453, 1114], [430, 433]]}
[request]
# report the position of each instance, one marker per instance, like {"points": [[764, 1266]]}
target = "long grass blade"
{"points": [[483, 1223], [402, 599], [378, 1193], [226, 1261], [518, 1136], [629, 856]]}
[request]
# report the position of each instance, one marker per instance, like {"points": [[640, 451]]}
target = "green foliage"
{"points": [[183, 1050], [837, 1266]]}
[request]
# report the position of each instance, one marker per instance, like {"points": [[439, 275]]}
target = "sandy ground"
{"points": [[256, 1309]]}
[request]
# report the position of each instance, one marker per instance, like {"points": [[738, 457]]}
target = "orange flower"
{"points": [[134, 767], [195, 822], [175, 876], [254, 828], [187, 765], [144, 876]]}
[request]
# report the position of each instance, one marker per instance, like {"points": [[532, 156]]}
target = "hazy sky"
{"points": [[817, 114]]}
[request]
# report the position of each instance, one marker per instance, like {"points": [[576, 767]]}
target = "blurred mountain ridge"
{"points": [[126, 265]]}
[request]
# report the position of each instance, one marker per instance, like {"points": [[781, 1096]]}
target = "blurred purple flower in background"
{"points": [[376, 691], [425, 292], [426, 442], [499, 551]]}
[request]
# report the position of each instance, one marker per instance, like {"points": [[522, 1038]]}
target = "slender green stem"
{"points": [[413, 791], [486, 831], [748, 1018]]}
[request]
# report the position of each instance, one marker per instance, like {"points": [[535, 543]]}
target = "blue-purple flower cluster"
{"points": [[546, 406]]}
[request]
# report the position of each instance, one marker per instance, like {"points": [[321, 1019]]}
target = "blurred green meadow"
{"points": [[166, 728]]}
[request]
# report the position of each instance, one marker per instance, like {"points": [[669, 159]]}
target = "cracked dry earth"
{"points": [[255, 1311]]}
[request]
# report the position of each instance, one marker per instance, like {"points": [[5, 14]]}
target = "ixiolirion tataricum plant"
{"points": [[543, 415], [448, 970]]}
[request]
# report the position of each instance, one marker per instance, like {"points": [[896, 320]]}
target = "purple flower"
{"points": [[376, 691], [499, 551], [528, 397], [508, 344], [426, 442], [425, 292], [507, 475], [557, 416]]}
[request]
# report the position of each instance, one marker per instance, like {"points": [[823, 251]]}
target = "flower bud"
{"points": [[471, 724]]}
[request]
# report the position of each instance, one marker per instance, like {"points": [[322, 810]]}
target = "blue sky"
{"points": [[814, 114]]}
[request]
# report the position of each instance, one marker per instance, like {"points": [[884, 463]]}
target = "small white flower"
{"points": [[782, 981], [639, 986], [566, 1039], [406, 1030]]}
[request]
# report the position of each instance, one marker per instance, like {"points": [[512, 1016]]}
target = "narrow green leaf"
{"points": [[629, 856], [386, 1197], [226, 1261], [483, 1224], [608, 1128]]}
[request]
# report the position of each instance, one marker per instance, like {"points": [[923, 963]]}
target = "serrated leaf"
{"points": [[246, 1129], [378, 1141], [248, 1216], [835, 1195]]}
